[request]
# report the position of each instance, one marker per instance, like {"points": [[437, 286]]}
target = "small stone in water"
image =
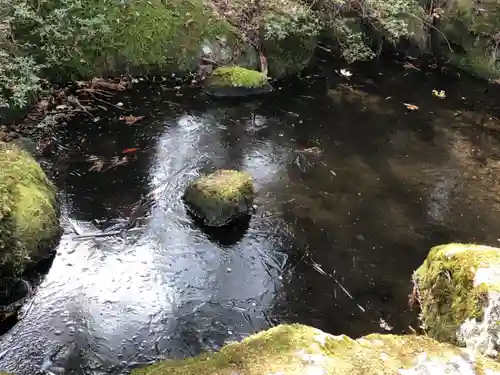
{"points": [[360, 237]]}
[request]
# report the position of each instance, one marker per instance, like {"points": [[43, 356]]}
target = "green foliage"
{"points": [[236, 76], [19, 79], [358, 26], [292, 20], [75, 39]]}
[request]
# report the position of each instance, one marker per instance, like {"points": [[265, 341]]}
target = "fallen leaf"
{"points": [[116, 161], [409, 65], [345, 73], [129, 150], [411, 107], [130, 120], [97, 166], [439, 94]]}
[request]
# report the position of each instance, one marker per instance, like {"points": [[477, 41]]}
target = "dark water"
{"points": [[353, 189]]}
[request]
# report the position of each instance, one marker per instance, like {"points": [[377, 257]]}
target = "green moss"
{"points": [[290, 55], [476, 63], [220, 197], [235, 76], [139, 36], [297, 349], [473, 27], [165, 35], [29, 221], [445, 284]]}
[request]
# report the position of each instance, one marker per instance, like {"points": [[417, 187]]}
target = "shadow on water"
{"points": [[353, 189], [225, 236]]}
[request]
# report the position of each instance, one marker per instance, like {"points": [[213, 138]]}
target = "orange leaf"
{"points": [[130, 120], [411, 107], [129, 150]]}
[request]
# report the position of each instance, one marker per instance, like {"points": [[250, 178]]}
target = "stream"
{"points": [[353, 190]]}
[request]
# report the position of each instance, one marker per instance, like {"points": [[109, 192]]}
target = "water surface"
{"points": [[353, 190]]}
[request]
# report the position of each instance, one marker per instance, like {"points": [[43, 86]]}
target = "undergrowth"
{"points": [[64, 40]]}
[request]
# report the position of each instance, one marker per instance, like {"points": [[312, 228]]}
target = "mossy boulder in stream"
{"points": [[236, 81], [471, 27], [458, 288], [302, 350], [221, 197], [29, 222]]}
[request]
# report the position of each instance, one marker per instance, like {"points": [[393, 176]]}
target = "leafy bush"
{"points": [[359, 25], [74, 39]]}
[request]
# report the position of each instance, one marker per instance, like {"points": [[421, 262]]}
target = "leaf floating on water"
{"points": [[129, 150], [345, 73], [409, 65], [97, 166], [130, 120], [439, 94], [411, 107], [116, 161], [384, 325]]}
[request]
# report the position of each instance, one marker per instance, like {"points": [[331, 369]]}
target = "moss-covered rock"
{"points": [[472, 29], [236, 81], [290, 55], [458, 287], [289, 37], [299, 350], [29, 222], [140, 37], [221, 197]]}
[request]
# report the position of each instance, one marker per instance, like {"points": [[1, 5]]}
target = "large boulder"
{"points": [[471, 27], [221, 197], [29, 214], [458, 288], [236, 81], [289, 35], [302, 350]]}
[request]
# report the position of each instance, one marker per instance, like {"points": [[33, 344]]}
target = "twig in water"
{"points": [[74, 100], [74, 227], [108, 103], [107, 234], [318, 268]]}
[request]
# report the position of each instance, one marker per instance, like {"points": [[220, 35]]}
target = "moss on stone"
{"points": [[145, 36], [473, 27], [448, 290], [290, 55], [220, 197], [236, 76], [298, 349], [29, 222]]}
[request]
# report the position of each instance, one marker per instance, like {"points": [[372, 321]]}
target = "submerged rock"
{"points": [[29, 222], [221, 197], [298, 349], [236, 81], [458, 288]]}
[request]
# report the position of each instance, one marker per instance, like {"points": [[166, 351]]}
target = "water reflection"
{"points": [[352, 191]]}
